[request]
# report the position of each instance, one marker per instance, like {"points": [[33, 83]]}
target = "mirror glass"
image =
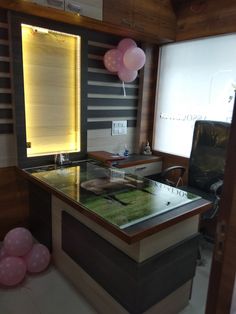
{"points": [[52, 70]]}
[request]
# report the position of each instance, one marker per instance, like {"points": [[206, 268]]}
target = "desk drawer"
{"points": [[145, 169]]}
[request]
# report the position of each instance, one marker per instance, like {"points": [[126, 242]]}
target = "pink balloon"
{"points": [[12, 270], [126, 75], [134, 59], [18, 242], [125, 44], [113, 59], [37, 259], [3, 252]]}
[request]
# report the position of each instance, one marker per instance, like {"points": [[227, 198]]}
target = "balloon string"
{"points": [[123, 84]]}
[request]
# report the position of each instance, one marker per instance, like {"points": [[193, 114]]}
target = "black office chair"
{"points": [[206, 163]]}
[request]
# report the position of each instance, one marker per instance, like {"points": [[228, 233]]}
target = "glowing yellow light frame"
{"points": [[51, 67]]}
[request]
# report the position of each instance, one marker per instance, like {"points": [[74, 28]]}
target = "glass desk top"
{"points": [[121, 199]]}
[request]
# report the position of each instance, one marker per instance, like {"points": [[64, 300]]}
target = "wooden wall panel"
{"points": [[6, 108], [13, 200], [147, 94], [201, 18], [7, 136], [223, 265]]}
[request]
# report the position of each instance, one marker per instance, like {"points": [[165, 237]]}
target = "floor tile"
{"points": [[50, 293]]}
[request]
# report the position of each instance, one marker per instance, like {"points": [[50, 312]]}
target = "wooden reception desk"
{"points": [[127, 243]]}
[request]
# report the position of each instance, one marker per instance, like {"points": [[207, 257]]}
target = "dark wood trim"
{"points": [[138, 231], [102, 261]]}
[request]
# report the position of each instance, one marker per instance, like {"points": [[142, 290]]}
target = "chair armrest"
{"points": [[168, 170], [217, 187]]}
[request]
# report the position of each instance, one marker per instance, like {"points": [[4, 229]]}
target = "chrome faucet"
{"points": [[61, 159]]}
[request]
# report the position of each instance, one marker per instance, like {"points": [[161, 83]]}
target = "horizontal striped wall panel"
{"points": [[108, 98], [6, 110]]}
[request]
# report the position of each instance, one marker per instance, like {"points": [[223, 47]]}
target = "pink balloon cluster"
{"points": [[19, 254], [125, 60]]}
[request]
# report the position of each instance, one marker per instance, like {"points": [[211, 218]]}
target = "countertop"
{"points": [[129, 206]]}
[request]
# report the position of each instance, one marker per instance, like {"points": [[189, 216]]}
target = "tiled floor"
{"points": [[200, 284], [50, 293]]}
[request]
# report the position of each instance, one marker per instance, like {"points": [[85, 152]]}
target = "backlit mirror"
{"points": [[51, 71]]}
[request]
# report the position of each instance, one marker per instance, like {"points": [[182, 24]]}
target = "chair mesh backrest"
{"points": [[207, 159]]}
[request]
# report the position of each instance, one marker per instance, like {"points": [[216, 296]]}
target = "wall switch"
{"points": [[119, 127]]}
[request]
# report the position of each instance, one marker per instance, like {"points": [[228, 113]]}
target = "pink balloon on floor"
{"points": [[126, 75], [3, 252], [18, 242], [37, 259], [134, 59], [125, 44], [113, 60], [12, 270]]}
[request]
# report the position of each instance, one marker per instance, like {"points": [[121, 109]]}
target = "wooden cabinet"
{"points": [[90, 8], [142, 165], [118, 12], [55, 4], [145, 169], [121, 18], [152, 17]]}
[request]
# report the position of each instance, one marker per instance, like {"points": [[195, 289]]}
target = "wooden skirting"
{"points": [[13, 200]]}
